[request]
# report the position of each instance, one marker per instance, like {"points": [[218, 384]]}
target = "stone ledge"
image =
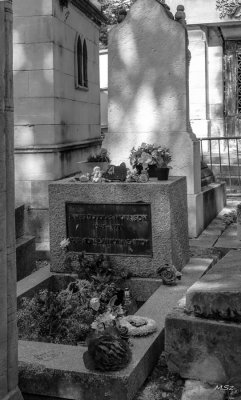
{"points": [[57, 147], [218, 293], [202, 349]]}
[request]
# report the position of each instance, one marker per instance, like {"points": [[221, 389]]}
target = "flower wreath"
{"points": [[138, 326]]}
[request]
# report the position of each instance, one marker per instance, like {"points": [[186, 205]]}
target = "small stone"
{"points": [[164, 395], [167, 387]]}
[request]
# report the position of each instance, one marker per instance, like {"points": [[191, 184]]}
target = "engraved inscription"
{"points": [[110, 228]]}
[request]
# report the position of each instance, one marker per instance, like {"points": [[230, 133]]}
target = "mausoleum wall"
{"points": [[57, 123]]}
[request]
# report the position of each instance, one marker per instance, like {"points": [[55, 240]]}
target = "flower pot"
{"points": [[162, 174], [152, 171]]}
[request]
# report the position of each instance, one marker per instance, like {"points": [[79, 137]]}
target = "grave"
{"points": [[140, 226], [58, 371], [148, 99], [203, 338]]}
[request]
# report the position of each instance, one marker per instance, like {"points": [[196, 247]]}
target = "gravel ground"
{"points": [[161, 384]]}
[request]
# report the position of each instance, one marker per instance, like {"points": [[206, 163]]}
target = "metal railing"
{"points": [[223, 156]]}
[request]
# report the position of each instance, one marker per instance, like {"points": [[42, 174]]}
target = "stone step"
{"points": [[217, 294], [19, 220]]}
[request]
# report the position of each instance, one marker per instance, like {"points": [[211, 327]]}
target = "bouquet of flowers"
{"points": [[162, 156], [147, 155]]}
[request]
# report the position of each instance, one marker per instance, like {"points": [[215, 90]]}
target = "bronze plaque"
{"points": [[110, 228]]}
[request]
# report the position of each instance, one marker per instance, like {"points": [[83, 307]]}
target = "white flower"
{"points": [[64, 244]]}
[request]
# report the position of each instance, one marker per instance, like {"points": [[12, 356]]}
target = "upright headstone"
{"points": [[148, 93], [8, 329]]}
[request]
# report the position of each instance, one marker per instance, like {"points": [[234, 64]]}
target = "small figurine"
{"points": [[97, 175]]}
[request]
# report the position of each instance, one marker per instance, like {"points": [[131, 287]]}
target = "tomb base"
{"points": [[204, 206], [140, 226]]}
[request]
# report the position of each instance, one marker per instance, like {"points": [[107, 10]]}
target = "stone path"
{"points": [[220, 236]]}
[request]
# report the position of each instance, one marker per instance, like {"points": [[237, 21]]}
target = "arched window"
{"points": [[85, 64], [79, 62]]}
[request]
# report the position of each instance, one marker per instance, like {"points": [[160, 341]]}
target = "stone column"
{"points": [[8, 329], [198, 82]]}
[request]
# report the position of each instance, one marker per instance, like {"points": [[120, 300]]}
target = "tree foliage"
{"points": [[114, 11]]}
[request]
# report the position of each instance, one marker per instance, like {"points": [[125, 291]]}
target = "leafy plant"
{"points": [[66, 316], [102, 156]]}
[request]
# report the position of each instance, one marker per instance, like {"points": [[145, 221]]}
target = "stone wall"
{"points": [[56, 124], [8, 330]]}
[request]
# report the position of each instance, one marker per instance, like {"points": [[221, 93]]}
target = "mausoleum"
{"points": [[57, 100]]}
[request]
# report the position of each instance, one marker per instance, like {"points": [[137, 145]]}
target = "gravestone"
{"points": [[140, 226], [8, 330], [148, 94]]}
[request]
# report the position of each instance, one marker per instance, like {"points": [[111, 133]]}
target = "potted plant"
{"points": [[163, 158], [100, 159], [143, 158]]}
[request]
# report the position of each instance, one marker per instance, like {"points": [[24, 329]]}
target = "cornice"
{"points": [[90, 11]]}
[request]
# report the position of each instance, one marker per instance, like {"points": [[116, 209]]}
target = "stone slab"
{"points": [[229, 238], [58, 370], [168, 200], [25, 256], [203, 349], [218, 293]]}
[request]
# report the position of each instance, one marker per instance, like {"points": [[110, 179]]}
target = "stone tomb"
{"points": [[140, 226], [203, 339]]}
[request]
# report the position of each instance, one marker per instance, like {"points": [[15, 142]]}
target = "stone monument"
{"points": [[148, 94], [8, 331]]}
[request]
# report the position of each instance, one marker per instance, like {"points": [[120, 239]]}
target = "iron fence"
{"points": [[223, 156]]}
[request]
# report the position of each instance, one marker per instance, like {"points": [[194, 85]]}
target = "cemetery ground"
{"points": [[219, 238]]}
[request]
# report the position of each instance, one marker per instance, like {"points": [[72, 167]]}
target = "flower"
{"points": [[169, 274], [103, 321], [64, 243], [95, 303], [149, 154]]}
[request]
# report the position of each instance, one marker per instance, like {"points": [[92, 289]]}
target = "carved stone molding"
{"points": [[229, 8]]}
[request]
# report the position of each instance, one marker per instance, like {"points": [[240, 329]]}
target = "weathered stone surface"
{"points": [[148, 89], [202, 349], [218, 293], [168, 219]]}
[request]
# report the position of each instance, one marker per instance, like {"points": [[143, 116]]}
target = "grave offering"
{"points": [[116, 173], [140, 226]]}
